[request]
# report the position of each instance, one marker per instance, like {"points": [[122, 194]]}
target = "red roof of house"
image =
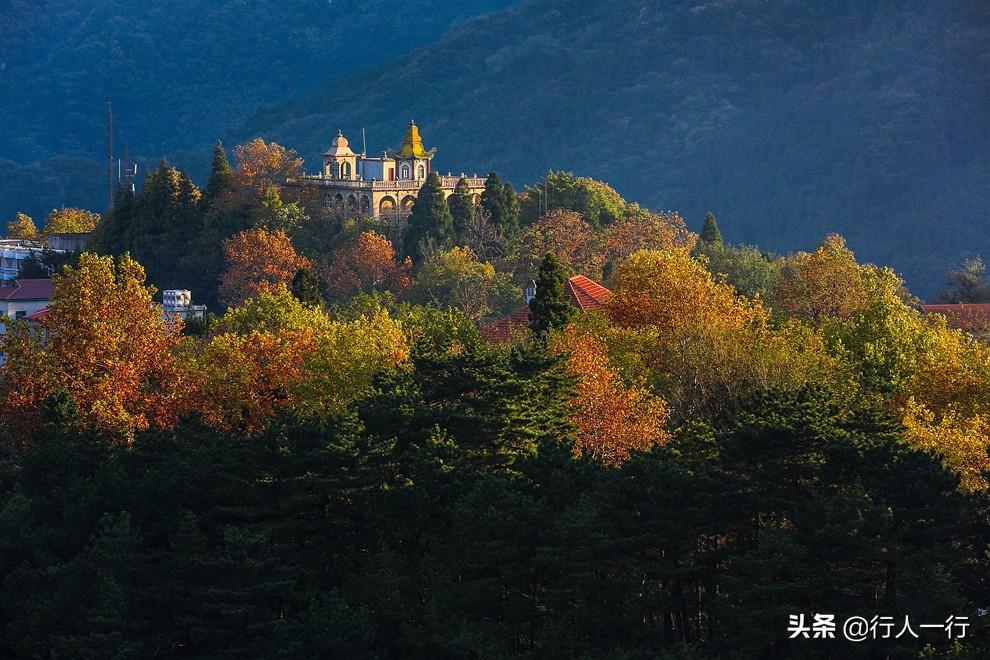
{"points": [[39, 289], [965, 316], [581, 292], [39, 315]]}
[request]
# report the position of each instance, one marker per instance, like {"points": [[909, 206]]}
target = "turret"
{"points": [[339, 162]]}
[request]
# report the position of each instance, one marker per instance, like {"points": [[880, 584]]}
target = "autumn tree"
{"points": [[643, 230], [457, 278], [430, 218], [705, 346], [549, 309], [261, 164], [70, 221], [823, 285], [564, 233], [258, 260], [110, 350], [274, 354], [612, 418], [22, 226], [366, 263]]}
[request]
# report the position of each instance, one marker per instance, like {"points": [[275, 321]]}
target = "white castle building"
{"points": [[385, 185]]}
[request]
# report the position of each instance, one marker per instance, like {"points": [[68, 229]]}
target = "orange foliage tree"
{"points": [[612, 419], [564, 233], [365, 263], [261, 164], [645, 231], [258, 260], [109, 349]]}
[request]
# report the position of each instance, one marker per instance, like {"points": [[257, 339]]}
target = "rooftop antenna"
{"points": [[109, 153], [364, 143]]}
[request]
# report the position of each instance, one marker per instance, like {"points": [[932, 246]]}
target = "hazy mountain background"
{"points": [[788, 119]]}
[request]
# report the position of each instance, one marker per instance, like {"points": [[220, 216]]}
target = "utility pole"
{"points": [[109, 154]]}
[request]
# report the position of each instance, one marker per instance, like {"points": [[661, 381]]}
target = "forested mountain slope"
{"points": [[788, 119], [181, 72]]}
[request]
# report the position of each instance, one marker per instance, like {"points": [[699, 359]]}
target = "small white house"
{"points": [[178, 302]]}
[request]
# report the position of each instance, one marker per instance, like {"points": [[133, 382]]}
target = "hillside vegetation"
{"points": [[791, 119]]}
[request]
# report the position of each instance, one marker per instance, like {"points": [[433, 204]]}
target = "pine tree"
{"points": [[461, 206], [549, 310], [430, 217], [221, 185], [710, 234], [502, 204], [510, 208], [306, 288]]}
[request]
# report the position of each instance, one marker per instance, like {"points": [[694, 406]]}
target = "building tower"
{"points": [[339, 162], [412, 159]]}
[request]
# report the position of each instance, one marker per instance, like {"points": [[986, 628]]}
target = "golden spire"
{"points": [[412, 144]]}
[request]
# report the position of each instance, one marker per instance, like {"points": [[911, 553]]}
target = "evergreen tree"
{"points": [[710, 234], [461, 207], [306, 288], [549, 310], [221, 184], [501, 203], [510, 207], [430, 217]]}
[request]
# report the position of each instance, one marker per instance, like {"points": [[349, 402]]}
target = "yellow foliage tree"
{"points": [[274, 354], [823, 285], [706, 345], [22, 226], [109, 349], [70, 221]]}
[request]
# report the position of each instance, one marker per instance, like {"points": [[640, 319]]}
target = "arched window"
{"points": [[346, 171], [407, 203], [405, 172], [351, 202], [335, 170], [338, 200], [387, 204], [420, 172], [365, 204]]}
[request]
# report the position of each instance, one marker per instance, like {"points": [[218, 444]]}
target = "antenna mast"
{"points": [[109, 154], [364, 143]]}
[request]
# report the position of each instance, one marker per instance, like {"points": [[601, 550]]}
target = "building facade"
{"points": [[383, 186]]}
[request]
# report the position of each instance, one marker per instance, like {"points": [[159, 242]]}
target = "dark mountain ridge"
{"points": [[788, 119]]}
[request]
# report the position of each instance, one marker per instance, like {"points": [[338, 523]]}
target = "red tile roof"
{"points": [[586, 294], [965, 316], [38, 289], [581, 292], [41, 314]]}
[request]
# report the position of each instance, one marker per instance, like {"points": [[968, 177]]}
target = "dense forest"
{"points": [[345, 464], [790, 118]]}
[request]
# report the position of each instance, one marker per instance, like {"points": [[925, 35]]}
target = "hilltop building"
{"points": [[380, 186]]}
